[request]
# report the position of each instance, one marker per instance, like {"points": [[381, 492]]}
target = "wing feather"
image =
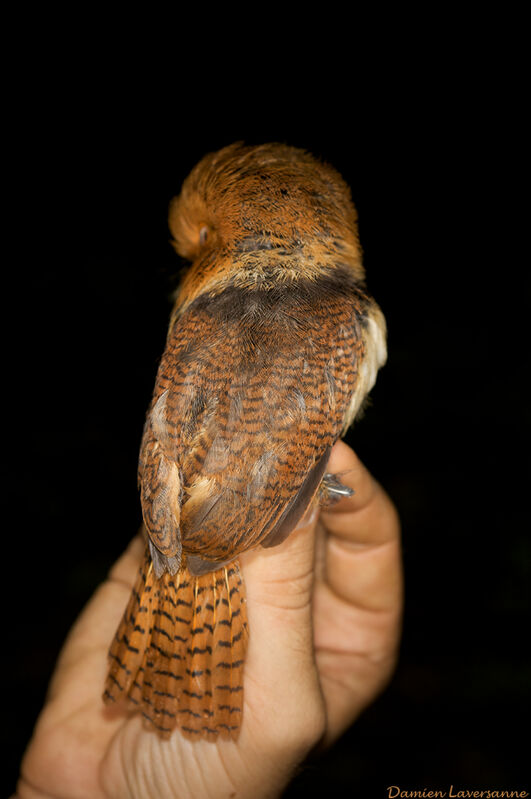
{"points": [[246, 409]]}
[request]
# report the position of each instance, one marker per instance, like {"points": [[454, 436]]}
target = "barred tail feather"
{"points": [[127, 652], [179, 652]]}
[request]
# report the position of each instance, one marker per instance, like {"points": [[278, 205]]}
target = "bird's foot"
{"points": [[332, 490]]}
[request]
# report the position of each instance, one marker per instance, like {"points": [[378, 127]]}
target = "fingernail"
{"points": [[309, 517]]}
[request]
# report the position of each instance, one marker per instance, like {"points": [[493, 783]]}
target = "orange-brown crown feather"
{"points": [[276, 189], [247, 213]]}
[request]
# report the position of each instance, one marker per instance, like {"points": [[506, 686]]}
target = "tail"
{"points": [[179, 651]]}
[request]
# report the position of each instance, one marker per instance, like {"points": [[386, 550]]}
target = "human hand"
{"points": [[324, 612]]}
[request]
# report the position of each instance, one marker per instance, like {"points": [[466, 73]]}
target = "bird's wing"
{"points": [[251, 394]]}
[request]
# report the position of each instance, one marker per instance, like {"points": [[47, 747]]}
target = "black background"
{"points": [[446, 433]]}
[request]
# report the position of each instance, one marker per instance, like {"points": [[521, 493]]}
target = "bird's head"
{"points": [[255, 213]]}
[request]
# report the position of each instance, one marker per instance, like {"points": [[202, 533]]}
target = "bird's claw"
{"points": [[332, 490]]}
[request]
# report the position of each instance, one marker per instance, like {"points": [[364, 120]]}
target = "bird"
{"points": [[272, 348]]}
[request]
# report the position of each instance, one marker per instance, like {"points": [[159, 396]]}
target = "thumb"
{"points": [[280, 669]]}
